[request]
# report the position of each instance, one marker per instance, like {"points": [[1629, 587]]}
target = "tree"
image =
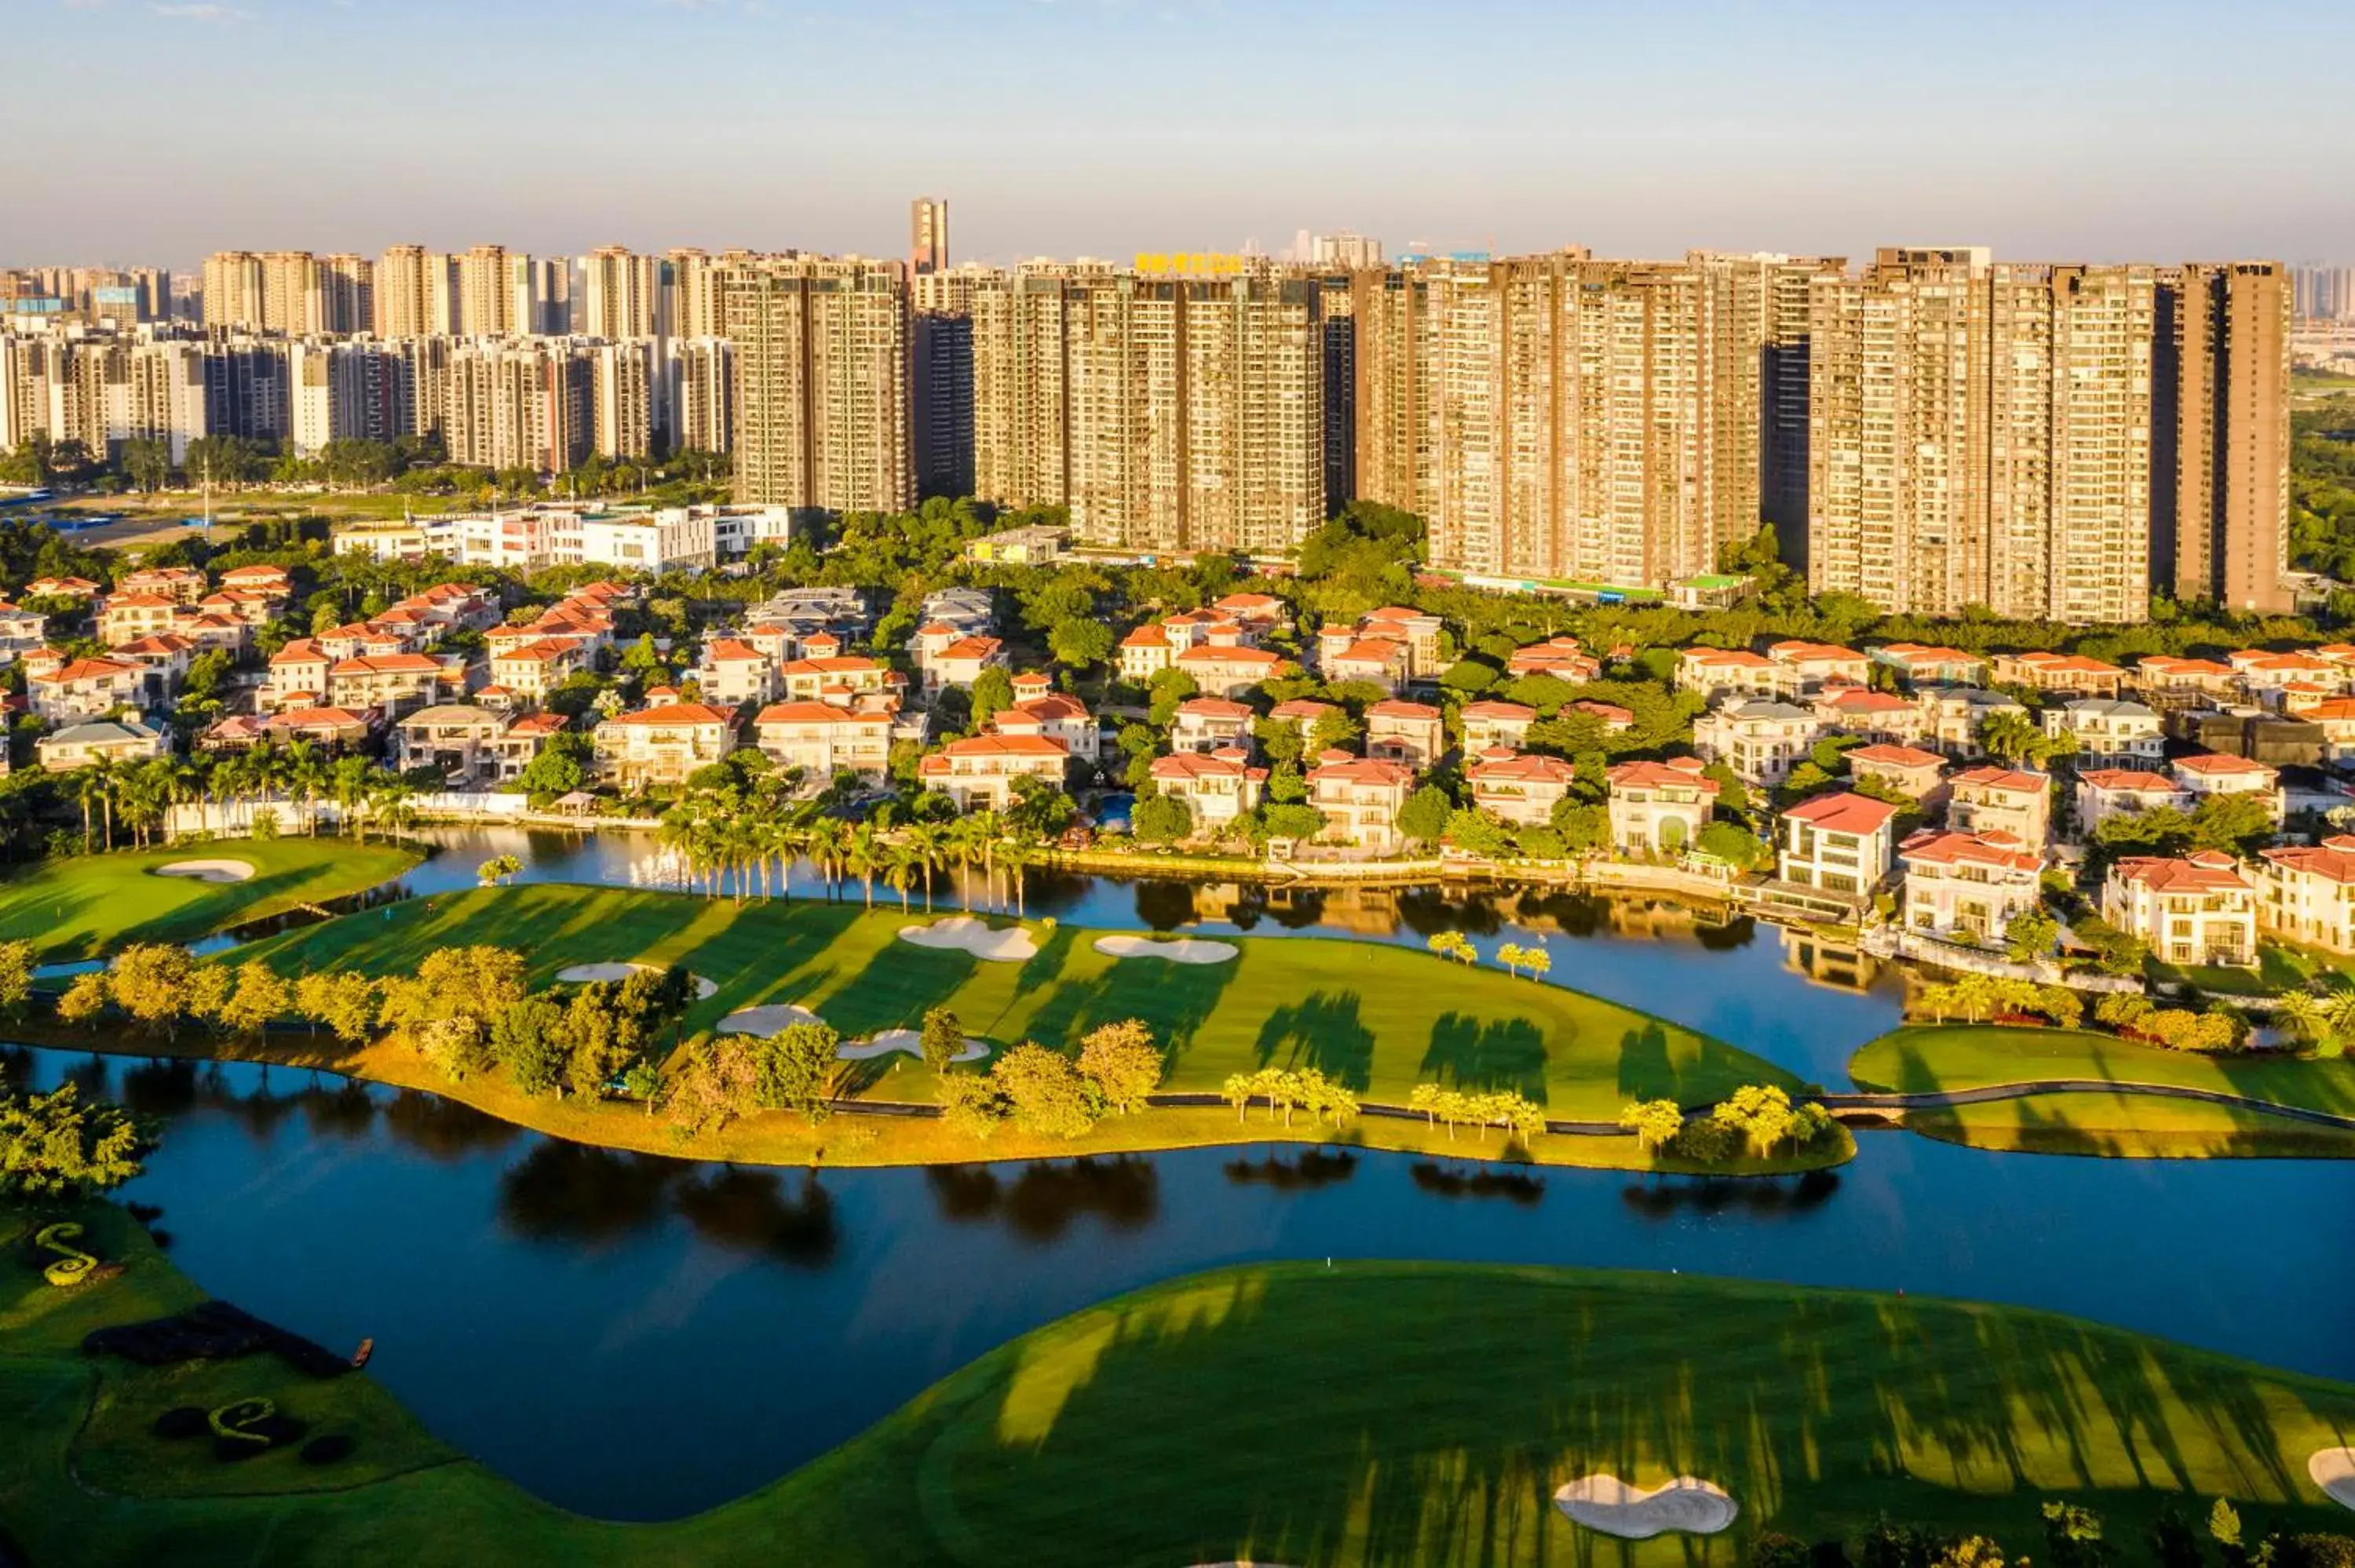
{"points": [[971, 1103], [1453, 945], [16, 962], [800, 1069], [993, 694], [2239, 823], [344, 1003], [150, 981], [1237, 1091], [561, 768], [1123, 1063], [719, 1082], [495, 871], [2073, 1536], [2029, 935], [941, 1039], [1509, 955], [464, 985], [1047, 1094], [1424, 816], [1478, 833], [1162, 820], [259, 997], [53, 1144], [527, 1040], [210, 989], [86, 998], [1760, 1114], [1078, 643], [1654, 1122], [1536, 961]]}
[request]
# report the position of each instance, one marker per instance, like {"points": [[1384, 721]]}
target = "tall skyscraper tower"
{"points": [[822, 383], [2224, 435], [928, 235]]}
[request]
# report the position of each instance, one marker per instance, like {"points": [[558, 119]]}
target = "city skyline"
{"points": [[1104, 128]]}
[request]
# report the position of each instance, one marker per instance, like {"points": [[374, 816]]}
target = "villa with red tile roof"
{"points": [[1491, 723], [2046, 671], [1659, 808], [2106, 792], [1229, 671], [2196, 910], [1836, 843], [1880, 716], [2014, 802], [1925, 665], [823, 741], [2219, 773], [661, 746], [1216, 786], [86, 688], [1211, 724], [1562, 657], [1810, 667], [983, 767], [732, 673], [1144, 654], [1968, 884], [2307, 892], [1360, 798], [1520, 788], [1727, 673], [1908, 770], [1410, 732]]}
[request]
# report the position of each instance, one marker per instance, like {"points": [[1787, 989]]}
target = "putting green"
{"points": [[1370, 1414]]}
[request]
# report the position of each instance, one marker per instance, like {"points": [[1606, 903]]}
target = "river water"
{"points": [[640, 1338]]}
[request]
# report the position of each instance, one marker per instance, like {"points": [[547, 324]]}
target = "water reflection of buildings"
{"points": [[1827, 959]]}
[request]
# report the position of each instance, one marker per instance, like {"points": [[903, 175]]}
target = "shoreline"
{"points": [[861, 1136]]}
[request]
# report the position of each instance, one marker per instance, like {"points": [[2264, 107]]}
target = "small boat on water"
{"points": [[360, 1357]]}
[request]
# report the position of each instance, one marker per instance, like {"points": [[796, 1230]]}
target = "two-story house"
{"points": [[983, 767], [822, 739], [2220, 773], [1968, 884], [1762, 741], [1923, 665], [1803, 669], [1954, 715], [1360, 798], [1216, 786], [1210, 724], [2110, 732], [2106, 792], [1836, 843], [1058, 717], [2307, 892], [731, 674], [85, 688], [2002, 800], [1521, 787], [1491, 723], [1909, 770], [660, 747], [1144, 654], [1659, 808], [457, 740], [2199, 909], [1410, 732], [396, 683], [1229, 672], [2046, 671], [1722, 674], [1877, 716]]}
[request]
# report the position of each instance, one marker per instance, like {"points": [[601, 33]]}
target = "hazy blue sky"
{"points": [[2093, 129]]}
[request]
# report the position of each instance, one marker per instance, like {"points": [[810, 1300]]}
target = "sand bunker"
{"points": [[2333, 1470], [965, 934], [208, 870], [1610, 1505], [912, 1041], [582, 974], [1176, 949], [775, 1018]]}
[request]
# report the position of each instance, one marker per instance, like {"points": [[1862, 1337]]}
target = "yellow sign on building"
{"points": [[1188, 264]]}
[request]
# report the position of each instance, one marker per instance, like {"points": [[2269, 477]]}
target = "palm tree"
{"points": [[349, 783], [305, 776], [2340, 1008], [828, 844], [2305, 1015], [864, 858], [903, 863], [389, 795], [967, 843], [931, 848], [1018, 853]]}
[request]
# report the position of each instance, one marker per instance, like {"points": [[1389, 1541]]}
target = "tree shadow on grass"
{"points": [[1325, 1032], [1500, 1053], [1955, 1417]]}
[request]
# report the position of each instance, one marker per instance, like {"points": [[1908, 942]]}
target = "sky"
{"points": [[152, 131]]}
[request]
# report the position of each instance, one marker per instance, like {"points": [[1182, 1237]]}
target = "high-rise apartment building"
{"points": [[527, 403], [1980, 434], [233, 290], [347, 293], [2222, 523], [943, 396], [2325, 294], [358, 390], [486, 292], [624, 378], [928, 235], [1556, 417], [413, 290], [702, 394], [621, 295], [1169, 414], [821, 353], [542, 289]]}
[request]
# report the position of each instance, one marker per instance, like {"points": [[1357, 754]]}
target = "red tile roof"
{"points": [[1684, 771], [676, 713], [2204, 871], [1843, 814], [2132, 779], [2001, 851], [1896, 756], [806, 711], [2005, 779]]}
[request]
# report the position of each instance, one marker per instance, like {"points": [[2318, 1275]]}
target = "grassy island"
{"points": [[1941, 1059], [90, 904], [1372, 1413], [1379, 1019]]}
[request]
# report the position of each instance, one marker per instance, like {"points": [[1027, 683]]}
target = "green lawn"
{"points": [[1380, 1018], [89, 905], [1374, 1414], [1928, 1058]]}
